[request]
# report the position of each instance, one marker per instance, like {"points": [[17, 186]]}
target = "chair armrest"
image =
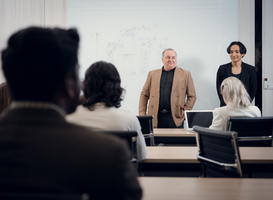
{"points": [[215, 162], [255, 138]]}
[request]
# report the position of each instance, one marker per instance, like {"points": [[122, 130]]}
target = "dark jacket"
{"points": [[248, 78], [41, 152]]}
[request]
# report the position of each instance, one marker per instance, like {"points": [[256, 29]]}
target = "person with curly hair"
{"points": [[100, 103]]}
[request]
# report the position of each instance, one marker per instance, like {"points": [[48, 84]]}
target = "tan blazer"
{"points": [[182, 86]]}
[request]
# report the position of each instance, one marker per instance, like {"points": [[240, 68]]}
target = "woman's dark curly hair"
{"points": [[102, 84]]}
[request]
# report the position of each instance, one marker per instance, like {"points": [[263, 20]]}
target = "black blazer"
{"points": [[40, 152], [248, 77]]}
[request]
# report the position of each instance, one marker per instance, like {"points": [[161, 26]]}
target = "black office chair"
{"points": [[128, 137], [147, 127], [252, 131], [218, 153], [42, 196]]}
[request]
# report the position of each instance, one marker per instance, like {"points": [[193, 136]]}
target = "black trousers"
{"points": [[165, 120]]}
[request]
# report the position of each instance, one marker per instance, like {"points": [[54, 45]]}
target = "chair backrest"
{"points": [[146, 123], [128, 137], [252, 131], [125, 135], [147, 127], [218, 153]]}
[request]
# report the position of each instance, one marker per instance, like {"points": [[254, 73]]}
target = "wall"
{"points": [[17, 14], [267, 57], [246, 28], [133, 34]]}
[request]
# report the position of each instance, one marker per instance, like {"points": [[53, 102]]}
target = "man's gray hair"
{"points": [[234, 91], [168, 50]]}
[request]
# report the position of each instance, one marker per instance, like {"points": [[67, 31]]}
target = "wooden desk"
{"points": [[174, 136], [172, 132], [160, 188], [252, 155]]}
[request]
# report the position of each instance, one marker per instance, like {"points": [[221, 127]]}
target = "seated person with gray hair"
{"points": [[99, 109], [237, 104]]}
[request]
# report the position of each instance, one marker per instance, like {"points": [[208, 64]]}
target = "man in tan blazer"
{"points": [[166, 89]]}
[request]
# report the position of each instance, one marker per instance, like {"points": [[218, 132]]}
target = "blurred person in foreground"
{"points": [[237, 102], [40, 151], [4, 97], [101, 100]]}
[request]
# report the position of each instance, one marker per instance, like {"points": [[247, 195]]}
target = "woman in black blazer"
{"points": [[245, 72]]}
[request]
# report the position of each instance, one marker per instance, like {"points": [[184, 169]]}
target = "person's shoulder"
{"points": [[79, 115], [217, 110], [124, 112], [248, 67], [224, 66], [256, 110], [184, 72], [154, 71], [127, 117], [221, 110]]}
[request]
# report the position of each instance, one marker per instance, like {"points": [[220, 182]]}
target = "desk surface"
{"points": [[172, 132], [205, 188], [185, 154]]}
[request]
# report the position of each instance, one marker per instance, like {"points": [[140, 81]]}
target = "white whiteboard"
{"points": [[133, 34]]}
